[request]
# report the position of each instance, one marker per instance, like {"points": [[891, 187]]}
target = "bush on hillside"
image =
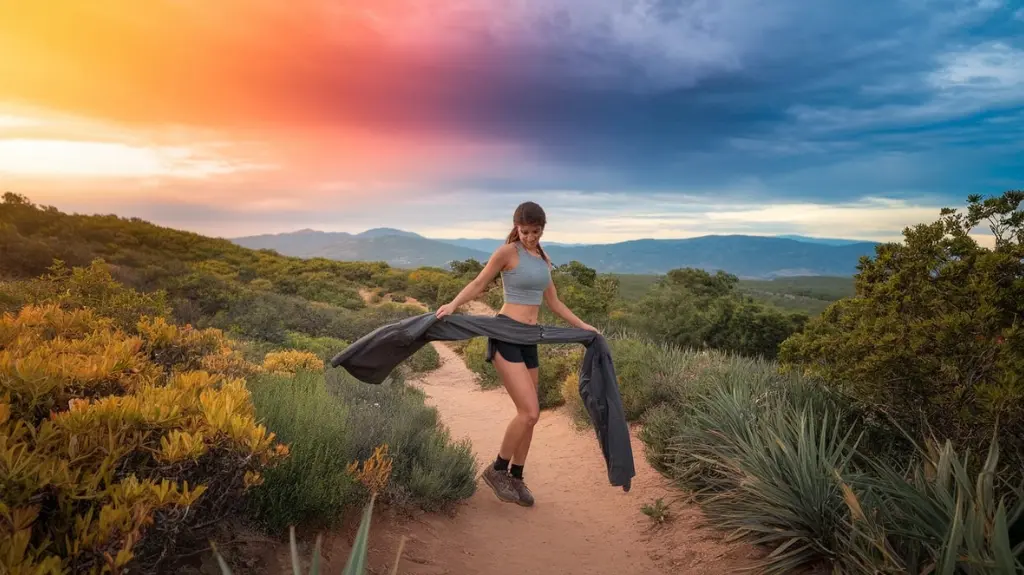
{"points": [[120, 447], [274, 317], [93, 286], [590, 296], [693, 309], [933, 337], [324, 347], [331, 420], [433, 286], [291, 361]]}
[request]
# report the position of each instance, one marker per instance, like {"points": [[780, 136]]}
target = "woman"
{"points": [[526, 278]]}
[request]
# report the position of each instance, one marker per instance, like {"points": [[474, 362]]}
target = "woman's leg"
{"points": [[520, 453], [519, 384], [517, 381]]}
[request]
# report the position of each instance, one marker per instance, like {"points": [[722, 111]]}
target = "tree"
{"points": [[933, 335], [692, 308], [583, 275], [701, 283], [470, 267], [589, 295]]}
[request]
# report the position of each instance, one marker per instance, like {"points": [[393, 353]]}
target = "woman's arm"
{"points": [[561, 310], [495, 264]]}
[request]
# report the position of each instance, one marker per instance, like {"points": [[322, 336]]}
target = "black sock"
{"points": [[516, 471], [501, 464]]}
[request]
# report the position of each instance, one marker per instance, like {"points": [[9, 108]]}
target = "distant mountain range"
{"points": [[744, 256]]}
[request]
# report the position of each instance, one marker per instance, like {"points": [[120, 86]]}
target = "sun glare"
{"points": [[61, 158]]}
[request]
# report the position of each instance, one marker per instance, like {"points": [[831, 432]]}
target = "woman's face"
{"points": [[530, 235]]}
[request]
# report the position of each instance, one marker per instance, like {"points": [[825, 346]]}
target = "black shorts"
{"points": [[516, 353]]}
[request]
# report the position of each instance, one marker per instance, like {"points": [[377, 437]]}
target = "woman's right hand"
{"points": [[446, 309]]}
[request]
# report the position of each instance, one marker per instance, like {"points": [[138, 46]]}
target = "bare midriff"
{"points": [[522, 313]]}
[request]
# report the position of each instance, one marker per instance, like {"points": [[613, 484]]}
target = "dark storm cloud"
{"points": [[824, 100]]}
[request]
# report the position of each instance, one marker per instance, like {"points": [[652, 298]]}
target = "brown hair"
{"points": [[528, 214]]}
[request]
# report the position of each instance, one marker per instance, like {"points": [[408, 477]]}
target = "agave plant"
{"points": [[763, 466], [356, 564], [935, 519]]}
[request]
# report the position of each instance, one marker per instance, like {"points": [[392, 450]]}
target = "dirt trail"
{"points": [[580, 523]]}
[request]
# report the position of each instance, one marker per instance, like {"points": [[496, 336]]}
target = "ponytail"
{"points": [[542, 253]]}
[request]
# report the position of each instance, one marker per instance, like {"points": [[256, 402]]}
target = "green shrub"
{"points": [[474, 353], [90, 287], [694, 309], [650, 374], [557, 362], [334, 421], [429, 470], [324, 347], [313, 483], [660, 424]]}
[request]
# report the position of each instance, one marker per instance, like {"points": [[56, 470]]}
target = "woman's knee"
{"points": [[530, 415]]}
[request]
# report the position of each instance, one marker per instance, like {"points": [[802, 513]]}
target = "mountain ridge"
{"points": [[746, 256]]}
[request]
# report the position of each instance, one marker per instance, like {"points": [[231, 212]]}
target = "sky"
{"points": [[623, 118]]}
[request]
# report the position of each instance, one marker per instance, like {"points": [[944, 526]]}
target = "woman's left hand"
{"points": [[589, 327]]}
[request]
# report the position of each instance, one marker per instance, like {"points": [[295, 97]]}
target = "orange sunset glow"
{"points": [[231, 95]]}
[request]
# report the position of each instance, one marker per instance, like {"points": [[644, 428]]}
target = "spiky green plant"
{"points": [[761, 458], [356, 564], [935, 518]]}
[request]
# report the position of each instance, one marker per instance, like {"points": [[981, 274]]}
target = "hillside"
{"points": [[394, 247], [754, 257], [192, 370]]}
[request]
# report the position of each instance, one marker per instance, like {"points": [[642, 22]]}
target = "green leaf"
{"points": [[356, 564]]}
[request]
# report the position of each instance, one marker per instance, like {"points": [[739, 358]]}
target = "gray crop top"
{"points": [[525, 283]]}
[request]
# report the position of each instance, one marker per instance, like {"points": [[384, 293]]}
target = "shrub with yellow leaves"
{"points": [[184, 348], [291, 361], [112, 446], [375, 472]]}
